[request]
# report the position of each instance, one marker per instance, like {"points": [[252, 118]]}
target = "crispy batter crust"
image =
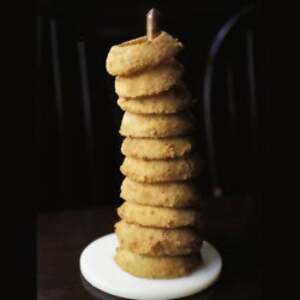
{"points": [[151, 171], [157, 242], [168, 194], [151, 81], [140, 53], [156, 267], [172, 101], [156, 126], [158, 217], [164, 148]]}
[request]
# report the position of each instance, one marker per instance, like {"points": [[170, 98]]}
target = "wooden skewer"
{"points": [[152, 24]]}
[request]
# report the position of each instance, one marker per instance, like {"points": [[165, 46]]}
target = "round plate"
{"points": [[100, 270]]}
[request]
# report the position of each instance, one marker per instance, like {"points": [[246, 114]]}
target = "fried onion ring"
{"points": [[140, 53], [151, 81]]}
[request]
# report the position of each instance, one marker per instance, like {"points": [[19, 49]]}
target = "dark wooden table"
{"points": [[233, 226]]}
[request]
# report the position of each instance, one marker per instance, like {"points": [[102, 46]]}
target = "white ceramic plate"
{"points": [[100, 270]]}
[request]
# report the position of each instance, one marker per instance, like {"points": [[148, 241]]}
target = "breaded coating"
{"points": [[149, 82], [152, 171], [167, 194], [156, 267], [163, 148], [140, 53], [158, 217], [172, 101], [156, 126], [157, 242]]}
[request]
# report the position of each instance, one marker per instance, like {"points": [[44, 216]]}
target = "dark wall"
{"points": [[80, 153]]}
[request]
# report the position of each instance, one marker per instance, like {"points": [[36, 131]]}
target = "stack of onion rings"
{"points": [[158, 233]]}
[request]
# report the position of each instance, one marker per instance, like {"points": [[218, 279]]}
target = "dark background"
{"points": [[79, 155]]}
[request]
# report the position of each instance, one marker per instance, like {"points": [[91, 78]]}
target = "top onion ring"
{"points": [[137, 54]]}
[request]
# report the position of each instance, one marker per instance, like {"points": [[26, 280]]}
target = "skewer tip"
{"points": [[152, 23]]}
